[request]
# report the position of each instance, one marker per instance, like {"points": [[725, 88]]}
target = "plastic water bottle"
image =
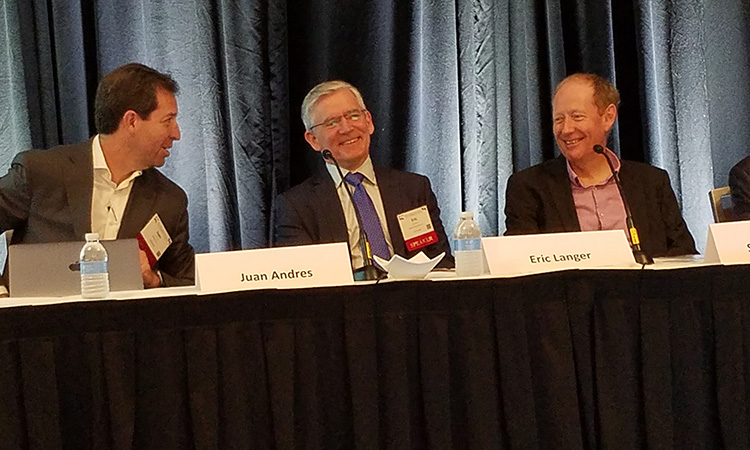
{"points": [[94, 274], [467, 245]]}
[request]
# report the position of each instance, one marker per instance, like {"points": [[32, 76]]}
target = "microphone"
{"points": [[369, 271], [640, 256]]}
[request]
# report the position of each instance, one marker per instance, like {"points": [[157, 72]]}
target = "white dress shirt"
{"points": [[108, 199], [371, 186]]}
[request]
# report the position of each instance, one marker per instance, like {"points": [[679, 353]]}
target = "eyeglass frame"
{"points": [[339, 117]]}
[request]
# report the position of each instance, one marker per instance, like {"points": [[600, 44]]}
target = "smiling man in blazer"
{"points": [[576, 191], [109, 184], [320, 211]]}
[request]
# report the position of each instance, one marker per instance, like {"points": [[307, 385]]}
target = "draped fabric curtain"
{"points": [[695, 92], [14, 116], [460, 91]]}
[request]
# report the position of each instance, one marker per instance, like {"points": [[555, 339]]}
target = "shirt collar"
{"points": [[100, 163], [98, 155], [365, 169], [575, 181]]}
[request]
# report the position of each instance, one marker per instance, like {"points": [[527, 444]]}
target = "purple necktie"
{"points": [[369, 217]]}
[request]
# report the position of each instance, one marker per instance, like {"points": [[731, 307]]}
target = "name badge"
{"points": [[536, 253], [154, 239], [416, 226], [728, 243], [282, 267]]}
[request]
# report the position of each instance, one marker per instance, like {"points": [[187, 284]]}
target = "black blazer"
{"points": [[46, 197], [540, 200], [739, 183], [311, 212]]}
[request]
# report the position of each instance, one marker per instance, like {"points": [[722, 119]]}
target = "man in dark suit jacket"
{"points": [[739, 183], [576, 191], [109, 184], [319, 210]]}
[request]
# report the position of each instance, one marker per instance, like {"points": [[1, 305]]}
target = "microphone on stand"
{"points": [[640, 256], [369, 271]]}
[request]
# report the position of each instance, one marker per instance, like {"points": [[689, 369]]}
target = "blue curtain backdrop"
{"points": [[459, 91]]}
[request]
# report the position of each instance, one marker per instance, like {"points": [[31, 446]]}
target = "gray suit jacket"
{"points": [[540, 200], [311, 212], [46, 197]]}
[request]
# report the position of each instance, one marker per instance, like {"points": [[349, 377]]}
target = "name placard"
{"points": [[283, 267], [728, 243], [536, 253]]}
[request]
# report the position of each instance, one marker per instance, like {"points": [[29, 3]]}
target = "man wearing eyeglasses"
{"points": [[320, 210]]}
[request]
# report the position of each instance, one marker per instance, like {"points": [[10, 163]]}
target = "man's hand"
{"points": [[150, 277]]}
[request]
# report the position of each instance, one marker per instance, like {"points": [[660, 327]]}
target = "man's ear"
{"points": [[313, 141], [371, 124], [129, 119], [610, 114]]}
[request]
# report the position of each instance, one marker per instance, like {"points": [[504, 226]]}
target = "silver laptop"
{"points": [[51, 270]]}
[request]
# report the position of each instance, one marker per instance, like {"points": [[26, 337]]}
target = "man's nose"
{"points": [[175, 134], [344, 125], [566, 125]]}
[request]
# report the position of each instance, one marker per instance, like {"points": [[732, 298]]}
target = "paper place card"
{"points": [[728, 243], [416, 267], [283, 267], [536, 253]]}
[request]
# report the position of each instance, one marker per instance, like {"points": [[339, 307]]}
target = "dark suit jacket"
{"points": [[540, 200], [739, 183], [46, 197], [311, 212]]}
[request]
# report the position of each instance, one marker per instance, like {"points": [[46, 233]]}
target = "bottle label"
{"points": [[93, 267], [460, 245]]}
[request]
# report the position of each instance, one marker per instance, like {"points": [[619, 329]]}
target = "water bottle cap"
{"points": [[92, 236], [467, 215]]}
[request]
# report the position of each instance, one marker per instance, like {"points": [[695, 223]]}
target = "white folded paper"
{"points": [[416, 267]]}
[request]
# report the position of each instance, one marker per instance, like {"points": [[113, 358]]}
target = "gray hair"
{"points": [[322, 89]]}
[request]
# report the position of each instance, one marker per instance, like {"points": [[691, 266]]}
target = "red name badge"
{"points": [[416, 226]]}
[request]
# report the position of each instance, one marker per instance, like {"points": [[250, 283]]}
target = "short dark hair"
{"points": [[129, 87]]}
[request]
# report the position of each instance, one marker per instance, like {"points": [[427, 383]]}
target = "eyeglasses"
{"points": [[334, 122]]}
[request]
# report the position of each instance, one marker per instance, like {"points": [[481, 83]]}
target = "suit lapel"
{"points": [[329, 210], [635, 195], [140, 207], [562, 195], [79, 185], [392, 206]]}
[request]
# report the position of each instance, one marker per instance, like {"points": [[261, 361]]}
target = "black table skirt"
{"points": [[577, 359]]}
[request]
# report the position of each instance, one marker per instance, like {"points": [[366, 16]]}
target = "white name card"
{"points": [[283, 267], [728, 243], [536, 253]]}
